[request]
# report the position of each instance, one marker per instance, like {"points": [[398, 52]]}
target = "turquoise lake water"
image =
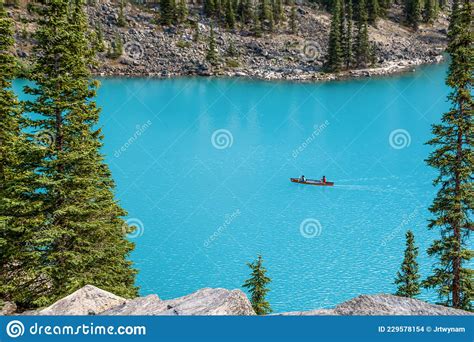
{"points": [[203, 167]]}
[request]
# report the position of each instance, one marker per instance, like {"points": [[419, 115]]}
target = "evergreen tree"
{"points": [[266, 14], [454, 158], [167, 12], [348, 54], [211, 55], [413, 12], [256, 25], [373, 12], [257, 286], [293, 27], [82, 240], [277, 10], [121, 16], [429, 11], [182, 11], [362, 47], [229, 15], [209, 7], [408, 278], [334, 58], [20, 203], [197, 33]]}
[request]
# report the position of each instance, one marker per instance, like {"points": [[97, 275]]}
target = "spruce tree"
{"points": [[209, 8], [413, 12], [211, 55], [373, 12], [362, 47], [182, 11], [167, 12], [229, 15], [429, 11], [334, 58], [348, 54], [83, 238], [408, 278], [454, 158], [20, 201], [256, 25], [293, 27], [121, 16], [257, 286]]}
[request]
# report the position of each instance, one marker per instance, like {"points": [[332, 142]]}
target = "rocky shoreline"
{"points": [[91, 300], [150, 50]]}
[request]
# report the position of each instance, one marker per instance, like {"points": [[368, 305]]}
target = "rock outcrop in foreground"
{"points": [[91, 300], [385, 305]]}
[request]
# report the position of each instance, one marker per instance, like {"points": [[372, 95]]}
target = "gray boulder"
{"points": [[89, 300], [383, 304], [7, 308], [203, 302]]}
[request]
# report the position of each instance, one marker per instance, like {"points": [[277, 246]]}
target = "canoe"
{"points": [[311, 182]]}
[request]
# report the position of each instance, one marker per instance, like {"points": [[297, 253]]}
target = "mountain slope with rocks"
{"points": [[150, 49]]}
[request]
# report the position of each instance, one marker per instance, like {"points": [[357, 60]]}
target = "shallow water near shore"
{"points": [[203, 165]]}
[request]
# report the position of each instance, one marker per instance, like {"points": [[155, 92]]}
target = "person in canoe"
{"points": [[324, 179], [302, 179]]}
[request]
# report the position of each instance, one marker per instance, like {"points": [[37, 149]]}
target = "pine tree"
{"points": [[20, 202], [121, 16], [277, 10], [293, 20], [334, 58], [373, 12], [168, 12], [256, 25], [209, 8], [362, 47], [348, 54], [257, 286], [454, 158], [408, 278], [83, 238], [182, 11], [429, 11], [211, 55], [229, 15], [413, 12]]}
